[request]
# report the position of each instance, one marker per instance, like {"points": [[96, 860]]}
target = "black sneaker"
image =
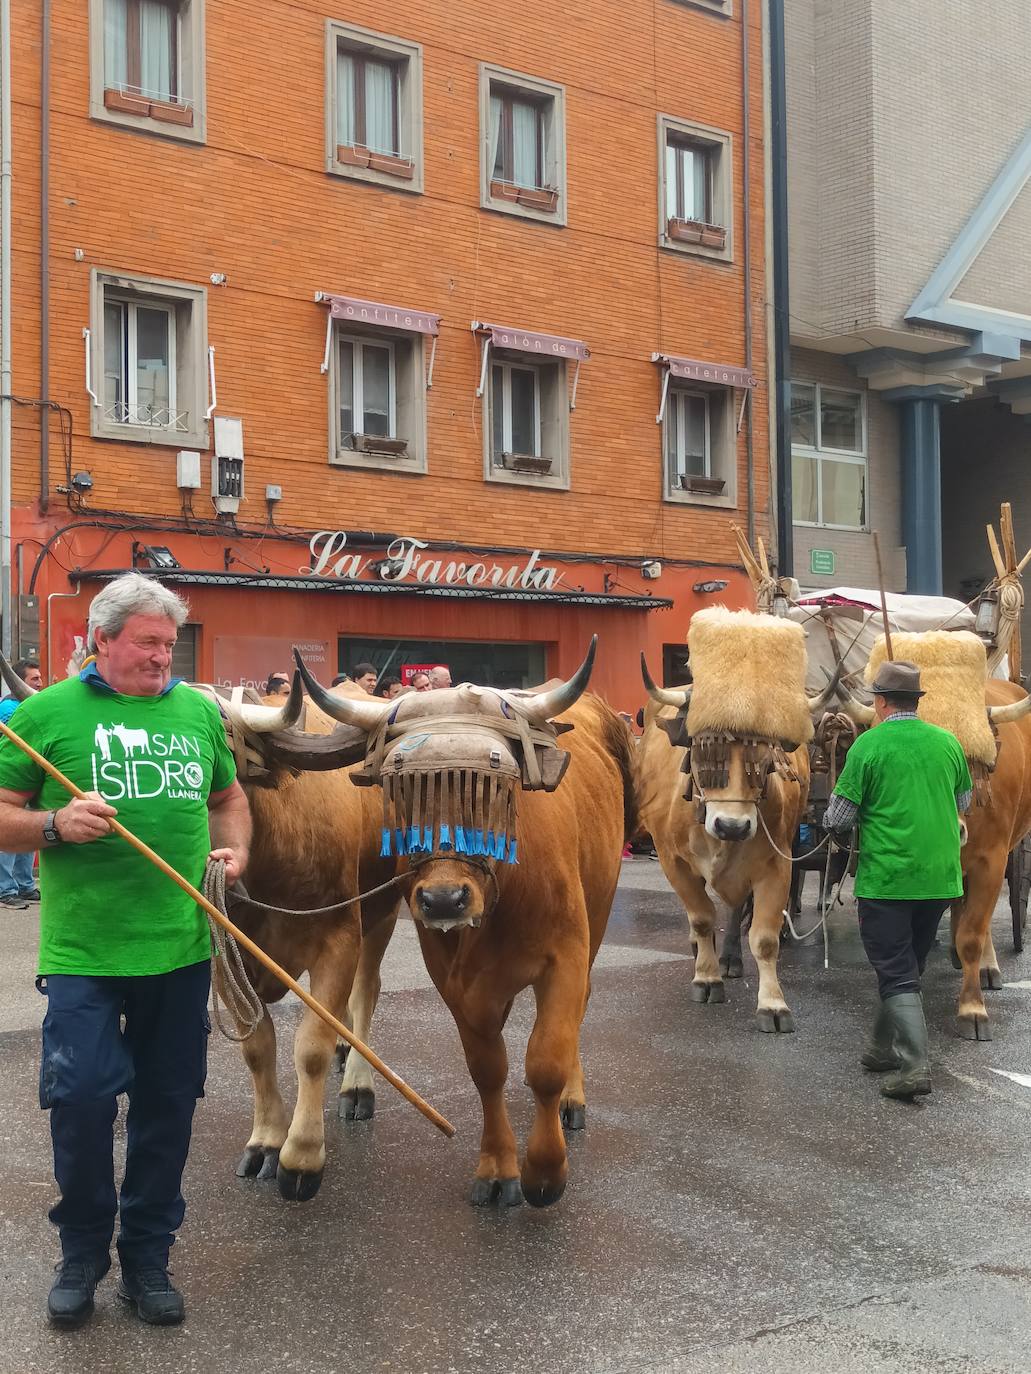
{"points": [[71, 1295], [31, 895], [14, 901], [151, 1292]]}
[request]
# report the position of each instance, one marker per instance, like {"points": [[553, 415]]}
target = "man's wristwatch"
{"points": [[50, 831]]}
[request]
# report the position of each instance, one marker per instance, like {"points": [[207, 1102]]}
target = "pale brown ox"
{"points": [[489, 931]]}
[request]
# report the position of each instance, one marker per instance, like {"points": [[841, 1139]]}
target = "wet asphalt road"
{"points": [[738, 1201]]}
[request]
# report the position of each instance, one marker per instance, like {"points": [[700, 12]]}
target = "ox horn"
{"points": [[818, 702], [542, 706], [267, 720], [19, 687], [1016, 710], [367, 715], [666, 696], [856, 710]]}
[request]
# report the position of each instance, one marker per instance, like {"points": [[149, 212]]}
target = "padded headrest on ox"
{"points": [[749, 676], [953, 673]]}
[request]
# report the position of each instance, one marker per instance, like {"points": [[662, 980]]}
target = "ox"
{"points": [[997, 821], [490, 927], [731, 821]]}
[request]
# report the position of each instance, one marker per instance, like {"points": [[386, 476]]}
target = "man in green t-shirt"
{"points": [[907, 784], [124, 953]]}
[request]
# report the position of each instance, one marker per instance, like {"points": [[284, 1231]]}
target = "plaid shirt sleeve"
{"points": [[963, 800], [841, 815]]}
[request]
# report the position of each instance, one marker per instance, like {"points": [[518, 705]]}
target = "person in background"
{"points": [[440, 676], [420, 682], [365, 676], [389, 688], [278, 685], [17, 884], [340, 678]]}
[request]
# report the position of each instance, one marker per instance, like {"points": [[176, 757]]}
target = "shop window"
{"points": [[676, 669], [147, 361], [374, 114], [523, 163], [528, 422], [147, 65], [184, 655], [379, 402], [828, 456], [700, 445], [695, 188]]}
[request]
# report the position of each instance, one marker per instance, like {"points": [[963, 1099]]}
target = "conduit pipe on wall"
{"points": [[44, 258], [6, 178], [781, 298], [746, 258]]}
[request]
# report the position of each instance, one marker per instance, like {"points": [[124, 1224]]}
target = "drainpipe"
{"points": [[781, 297], [746, 256], [5, 323], [44, 259]]}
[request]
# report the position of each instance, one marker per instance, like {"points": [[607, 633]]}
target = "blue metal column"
{"points": [[921, 495]]}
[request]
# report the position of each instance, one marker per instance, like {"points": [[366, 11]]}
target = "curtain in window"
{"points": [[347, 134], [114, 360], [497, 411], [346, 390], [376, 390], [116, 43], [379, 108], [525, 119], [804, 496], [495, 139], [157, 49], [152, 365]]}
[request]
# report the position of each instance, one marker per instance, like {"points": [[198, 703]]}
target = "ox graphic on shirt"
{"points": [[134, 763]]}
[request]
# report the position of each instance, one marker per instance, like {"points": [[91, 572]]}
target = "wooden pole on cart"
{"points": [[431, 1114], [1009, 549], [884, 599]]}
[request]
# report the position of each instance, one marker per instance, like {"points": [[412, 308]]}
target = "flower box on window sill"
{"points": [[167, 111], [504, 190], [526, 462], [124, 103], [171, 112], [701, 486], [393, 166], [694, 231], [378, 445], [352, 155], [545, 198]]}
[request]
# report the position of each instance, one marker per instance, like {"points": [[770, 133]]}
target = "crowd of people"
{"points": [[370, 680]]}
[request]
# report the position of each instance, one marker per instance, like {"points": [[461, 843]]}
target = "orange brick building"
{"points": [[422, 275]]}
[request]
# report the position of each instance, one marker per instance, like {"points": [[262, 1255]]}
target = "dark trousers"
{"points": [[897, 937], [159, 1058]]}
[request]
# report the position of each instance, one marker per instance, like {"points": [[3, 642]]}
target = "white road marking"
{"points": [[1024, 1079], [1023, 983]]}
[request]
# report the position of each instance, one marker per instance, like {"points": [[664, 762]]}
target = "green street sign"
{"points": [[821, 561]]}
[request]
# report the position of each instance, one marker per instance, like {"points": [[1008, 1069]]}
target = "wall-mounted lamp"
{"points": [[651, 569], [160, 557], [709, 588]]}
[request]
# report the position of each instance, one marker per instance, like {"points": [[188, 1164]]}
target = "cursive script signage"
{"points": [[406, 560]]}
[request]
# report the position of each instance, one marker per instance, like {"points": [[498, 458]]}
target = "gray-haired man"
{"points": [[117, 939]]}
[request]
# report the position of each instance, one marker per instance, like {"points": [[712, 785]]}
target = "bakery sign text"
{"points": [[406, 560]]}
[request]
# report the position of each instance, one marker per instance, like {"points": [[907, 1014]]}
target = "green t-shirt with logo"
{"points": [[105, 910], [905, 776]]}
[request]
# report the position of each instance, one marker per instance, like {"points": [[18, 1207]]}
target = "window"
{"points": [[526, 422], [828, 456], [379, 401], [695, 188], [147, 65], [368, 382], [184, 655], [374, 111], [523, 163], [700, 444], [687, 436], [516, 412], [147, 361], [716, 6]]}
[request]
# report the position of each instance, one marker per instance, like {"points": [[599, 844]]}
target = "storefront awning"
{"points": [[534, 345], [694, 370], [182, 577], [352, 310]]}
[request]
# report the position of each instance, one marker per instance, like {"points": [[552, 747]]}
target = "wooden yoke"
{"points": [[1007, 590]]}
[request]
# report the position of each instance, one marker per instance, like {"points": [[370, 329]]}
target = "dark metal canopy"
{"points": [[181, 577]]}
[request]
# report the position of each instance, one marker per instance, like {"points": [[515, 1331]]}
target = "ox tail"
{"points": [[620, 744]]}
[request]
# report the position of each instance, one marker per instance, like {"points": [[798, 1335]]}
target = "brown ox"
{"points": [[490, 928]]}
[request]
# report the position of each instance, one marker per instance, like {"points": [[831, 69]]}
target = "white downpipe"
{"points": [[6, 177]]}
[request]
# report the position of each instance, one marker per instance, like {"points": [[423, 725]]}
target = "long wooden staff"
{"points": [[413, 1097], [884, 599]]}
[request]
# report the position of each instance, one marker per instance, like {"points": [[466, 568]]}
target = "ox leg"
{"points": [[357, 1089], [303, 1156], [990, 972], [769, 896], [551, 1056], [972, 920], [573, 1106], [707, 985], [731, 963], [271, 1120]]}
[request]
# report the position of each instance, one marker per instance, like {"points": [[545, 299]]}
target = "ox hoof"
{"points": [[957, 962], [269, 1166], [505, 1192], [708, 992], [574, 1116], [357, 1105], [776, 1022], [340, 1055], [732, 968], [544, 1194], [250, 1162], [991, 978], [974, 1028], [298, 1185]]}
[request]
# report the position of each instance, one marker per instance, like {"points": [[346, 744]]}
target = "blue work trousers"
{"points": [[16, 876], [147, 1037]]}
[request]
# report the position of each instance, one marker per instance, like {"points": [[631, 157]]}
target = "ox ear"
{"points": [[1016, 710], [19, 687], [665, 696]]}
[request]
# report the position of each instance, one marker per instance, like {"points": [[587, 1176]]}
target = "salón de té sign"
{"points": [[406, 560]]}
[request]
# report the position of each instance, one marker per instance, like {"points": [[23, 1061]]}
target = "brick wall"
{"points": [[256, 204]]}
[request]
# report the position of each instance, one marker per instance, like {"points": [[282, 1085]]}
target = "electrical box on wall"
{"points": [[187, 470], [227, 466]]}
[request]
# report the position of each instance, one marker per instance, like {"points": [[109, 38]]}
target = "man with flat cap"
{"points": [[906, 784]]}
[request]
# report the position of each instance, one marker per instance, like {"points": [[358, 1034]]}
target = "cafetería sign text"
{"points": [[405, 560]]}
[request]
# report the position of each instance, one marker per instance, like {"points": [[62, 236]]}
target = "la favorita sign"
{"points": [[405, 561]]}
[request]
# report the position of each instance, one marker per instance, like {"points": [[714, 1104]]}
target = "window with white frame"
{"points": [[699, 439], [368, 389], [688, 436], [526, 421], [147, 363], [378, 401], [515, 411], [374, 112], [147, 65], [523, 164], [695, 188], [828, 456]]}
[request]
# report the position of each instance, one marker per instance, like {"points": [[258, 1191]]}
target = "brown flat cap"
{"points": [[897, 679]]}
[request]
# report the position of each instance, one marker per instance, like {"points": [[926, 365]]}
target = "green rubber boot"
{"points": [[906, 1014], [879, 1053]]}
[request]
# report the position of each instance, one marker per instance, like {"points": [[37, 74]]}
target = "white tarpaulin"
{"points": [[855, 619]]}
